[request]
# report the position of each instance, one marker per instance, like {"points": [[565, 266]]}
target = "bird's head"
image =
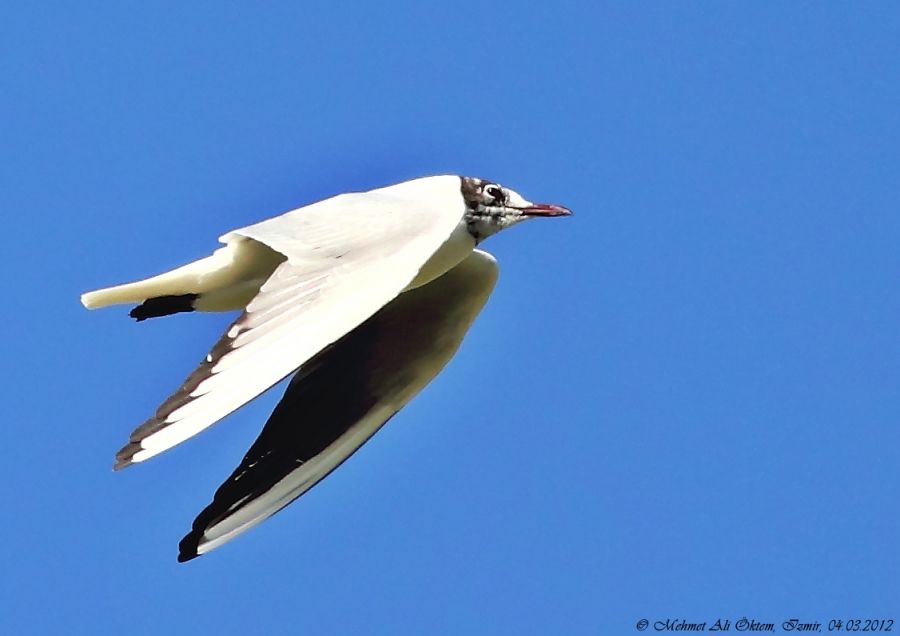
{"points": [[490, 207]]}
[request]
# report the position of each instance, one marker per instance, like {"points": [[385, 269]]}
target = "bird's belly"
{"points": [[457, 247]]}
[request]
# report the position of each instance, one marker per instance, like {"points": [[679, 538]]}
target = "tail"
{"points": [[192, 278], [223, 281]]}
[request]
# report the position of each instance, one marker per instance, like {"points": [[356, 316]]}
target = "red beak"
{"points": [[545, 209]]}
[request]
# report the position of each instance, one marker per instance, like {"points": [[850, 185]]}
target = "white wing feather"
{"points": [[321, 421]]}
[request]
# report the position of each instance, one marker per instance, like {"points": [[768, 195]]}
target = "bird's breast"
{"points": [[457, 247]]}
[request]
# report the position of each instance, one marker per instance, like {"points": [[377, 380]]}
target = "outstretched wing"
{"points": [[346, 258], [342, 396]]}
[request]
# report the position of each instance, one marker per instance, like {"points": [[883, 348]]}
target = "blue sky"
{"points": [[680, 403]]}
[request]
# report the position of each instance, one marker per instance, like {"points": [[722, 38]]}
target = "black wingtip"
{"points": [[125, 456], [163, 306], [187, 547]]}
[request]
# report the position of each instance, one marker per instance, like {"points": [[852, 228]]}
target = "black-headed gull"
{"points": [[366, 296]]}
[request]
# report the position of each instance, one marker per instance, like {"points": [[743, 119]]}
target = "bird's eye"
{"points": [[495, 192]]}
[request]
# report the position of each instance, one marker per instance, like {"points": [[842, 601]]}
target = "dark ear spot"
{"points": [[471, 191]]}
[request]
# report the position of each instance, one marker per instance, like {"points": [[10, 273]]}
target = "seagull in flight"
{"points": [[364, 297]]}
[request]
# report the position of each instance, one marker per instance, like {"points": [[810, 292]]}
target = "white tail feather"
{"points": [[237, 263]]}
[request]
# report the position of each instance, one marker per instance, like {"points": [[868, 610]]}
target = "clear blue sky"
{"points": [[683, 402]]}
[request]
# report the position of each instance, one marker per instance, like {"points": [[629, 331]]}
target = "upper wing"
{"points": [[346, 258], [342, 396]]}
